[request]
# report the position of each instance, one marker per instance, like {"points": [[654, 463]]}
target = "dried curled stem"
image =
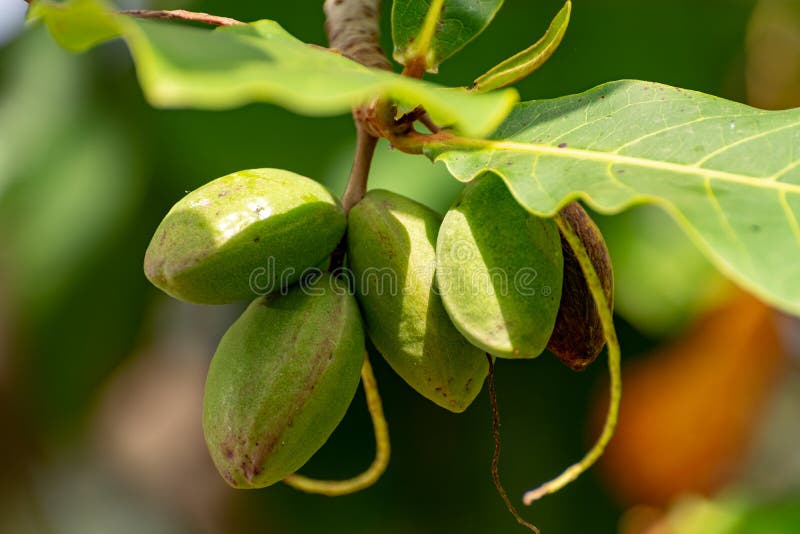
{"points": [[180, 14], [333, 488], [496, 456], [176, 14]]}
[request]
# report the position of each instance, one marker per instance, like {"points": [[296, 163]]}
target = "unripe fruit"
{"points": [[391, 253], [281, 381], [578, 335], [499, 270], [243, 235]]}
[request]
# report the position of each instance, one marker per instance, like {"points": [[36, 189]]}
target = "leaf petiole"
{"points": [[419, 53]]}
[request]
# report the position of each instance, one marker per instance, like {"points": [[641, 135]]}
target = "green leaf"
{"points": [[728, 173], [529, 60], [183, 66], [430, 31], [78, 25]]}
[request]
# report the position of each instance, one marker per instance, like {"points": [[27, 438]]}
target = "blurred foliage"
{"points": [[735, 514], [773, 63], [87, 170]]}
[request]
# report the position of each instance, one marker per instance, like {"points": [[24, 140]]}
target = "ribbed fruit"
{"points": [[499, 270], [391, 252], [281, 381], [243, 235]]}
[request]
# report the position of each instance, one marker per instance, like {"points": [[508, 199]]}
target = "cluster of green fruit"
{"points": [[435, 296]]}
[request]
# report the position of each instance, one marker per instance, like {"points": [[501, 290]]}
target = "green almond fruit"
{"points": [[243, 235], [281, 380], [499, 270], [578, 335], [391, 254]]}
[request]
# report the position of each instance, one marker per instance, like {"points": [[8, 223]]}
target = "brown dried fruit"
{"points": [[578, 338]]}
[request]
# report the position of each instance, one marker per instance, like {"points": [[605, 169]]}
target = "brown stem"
{"points": [[359, 173], [353, 28], [356, 185], [412, 141], [411, 117], [177, 14], [180, 14], [415, 68], [496, 456], [429, 124]]}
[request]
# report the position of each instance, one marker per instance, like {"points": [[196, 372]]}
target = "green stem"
{"points": [[334, 488], [419, 51], [614, 355]]}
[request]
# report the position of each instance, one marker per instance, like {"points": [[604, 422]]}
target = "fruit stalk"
{"points": [[334, 488], [359, 173], [607, 320]]}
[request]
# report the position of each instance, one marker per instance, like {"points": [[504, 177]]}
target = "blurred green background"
{"points": [[101, 375]]}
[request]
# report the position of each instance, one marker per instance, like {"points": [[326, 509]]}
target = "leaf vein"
{"points": [[726, 224], [789, 215], [747, 139], [588, 122], [673, 127], [575, 153], [614, 179], [777, 176]]}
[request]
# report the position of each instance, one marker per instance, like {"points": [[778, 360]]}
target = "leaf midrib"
{"points": [[591, 155]]}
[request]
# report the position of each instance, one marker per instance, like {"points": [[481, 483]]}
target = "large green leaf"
{"points": [[433, 30], [182, 66], [728, 173]]}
